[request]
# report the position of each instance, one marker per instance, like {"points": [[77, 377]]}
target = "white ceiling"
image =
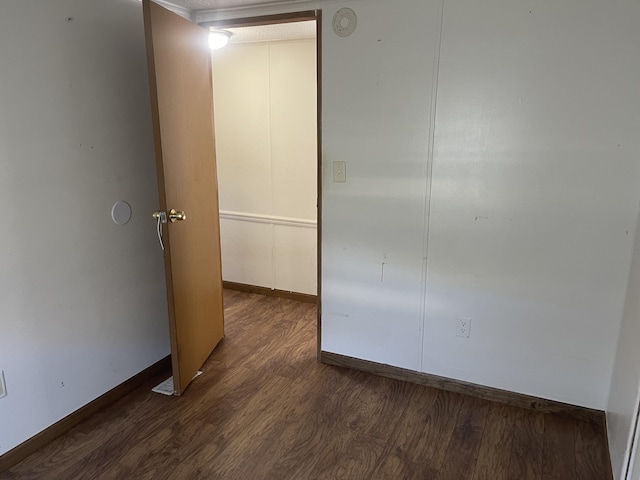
{"points": [[221, 4], [282, 31], [264, 33]]}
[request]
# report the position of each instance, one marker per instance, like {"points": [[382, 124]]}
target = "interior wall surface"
{"points": [[535, 194], [266, 145], [82, 299], [378, 85]]}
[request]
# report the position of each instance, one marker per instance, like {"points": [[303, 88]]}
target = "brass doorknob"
{"points": [[175, 215]]}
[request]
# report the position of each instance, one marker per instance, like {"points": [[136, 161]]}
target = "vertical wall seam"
{"points": [[428, 182], [271, 176]]}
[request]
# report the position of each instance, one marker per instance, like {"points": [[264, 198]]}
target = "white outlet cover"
{"points": [[3, 386], [463, 328]]}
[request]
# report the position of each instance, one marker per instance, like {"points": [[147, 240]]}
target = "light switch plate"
{"points": [[3, 386], [339, 172]]}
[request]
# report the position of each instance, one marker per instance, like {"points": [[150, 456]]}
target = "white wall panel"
{"points": [[377, 87], [534, 195], [293, 128], [247, 252], [243, 134], [82, 300], [295, 254], [267, 162]]}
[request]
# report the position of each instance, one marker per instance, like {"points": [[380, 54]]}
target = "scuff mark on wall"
{"points": [[384, 262]]}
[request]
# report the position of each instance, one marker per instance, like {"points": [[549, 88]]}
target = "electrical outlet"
{"points": [[464, 327], [3, 386]]}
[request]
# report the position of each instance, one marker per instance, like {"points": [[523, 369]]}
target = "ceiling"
{"points": [[221, 4], [271, 33], [283, 31]]}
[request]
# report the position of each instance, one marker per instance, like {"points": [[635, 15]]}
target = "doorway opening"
{"points": [[266, 85]]}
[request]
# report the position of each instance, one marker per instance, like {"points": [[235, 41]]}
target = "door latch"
{"points": [[161, 217]]}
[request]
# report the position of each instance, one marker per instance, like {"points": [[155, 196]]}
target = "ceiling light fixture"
{"points": [[218, 39]]}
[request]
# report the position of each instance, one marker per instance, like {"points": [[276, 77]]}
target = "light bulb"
{"points": [[218, 39]]}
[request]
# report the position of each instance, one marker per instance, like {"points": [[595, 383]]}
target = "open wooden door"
{"points": [[179, 62]]}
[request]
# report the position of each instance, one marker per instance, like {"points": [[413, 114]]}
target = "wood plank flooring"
{"points": [[265, 409]]}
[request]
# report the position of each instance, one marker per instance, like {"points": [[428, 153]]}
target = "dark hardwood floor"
{"points": [[264, 408]]}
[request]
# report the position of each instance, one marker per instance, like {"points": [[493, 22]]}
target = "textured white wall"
{"points": [[531, 204], [82, 300], [376, 100], [265, 108], [535, 190]]}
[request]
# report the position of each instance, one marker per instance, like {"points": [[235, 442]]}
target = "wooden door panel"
{"points": [[179, 62]]}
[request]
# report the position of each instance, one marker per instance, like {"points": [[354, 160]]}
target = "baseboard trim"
{"points": [[241, 287], [26, 448], [596, 417]]}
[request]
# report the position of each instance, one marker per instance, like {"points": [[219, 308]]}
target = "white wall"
{"points": [[376, 100], [625, 385], [82, 300], [265, 109], [526, 222], [535, 189]]}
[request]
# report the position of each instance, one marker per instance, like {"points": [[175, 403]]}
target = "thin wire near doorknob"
{"points": [[159, 230]]}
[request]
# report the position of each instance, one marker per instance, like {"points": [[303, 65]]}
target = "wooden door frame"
{"points": [[301, 16], [631, 455]]}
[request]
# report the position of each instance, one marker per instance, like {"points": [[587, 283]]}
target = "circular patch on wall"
{"points": [[344, 22], [121, 212]]}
